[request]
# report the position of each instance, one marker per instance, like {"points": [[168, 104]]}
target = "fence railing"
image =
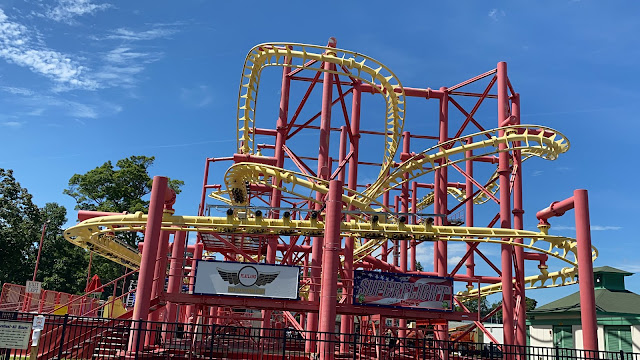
{"points": [[70, 337]]}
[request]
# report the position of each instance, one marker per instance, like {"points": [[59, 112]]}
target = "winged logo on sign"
{"points": [[247, 276]]}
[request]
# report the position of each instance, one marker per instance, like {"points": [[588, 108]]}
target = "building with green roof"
{"points": [[617, 309]]}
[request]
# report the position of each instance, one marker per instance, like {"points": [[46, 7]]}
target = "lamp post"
{"points": [[44, 229]]}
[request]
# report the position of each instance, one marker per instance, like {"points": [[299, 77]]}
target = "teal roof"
{"points": [[609, 269], [607, 301]]}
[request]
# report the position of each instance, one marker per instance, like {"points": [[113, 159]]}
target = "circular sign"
{"points": [[248, 275]]}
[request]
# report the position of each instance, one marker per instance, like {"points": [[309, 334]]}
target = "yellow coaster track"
{"points": [[98, 234], [348, 63]]}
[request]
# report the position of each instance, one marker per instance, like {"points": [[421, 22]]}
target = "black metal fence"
{"points": [[68, 337]]}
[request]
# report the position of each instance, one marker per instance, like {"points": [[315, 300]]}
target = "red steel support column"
{"points": [[404, 200], [161, 270], [346, 321], [505, 209], [342, 152], [176, 272], [385, 245], [197, 255], [469, 205], [328, 300], [324, 171], [442, 332], [518, 223], [276, 195], [147, 263], [414, 204], [585, 272]]}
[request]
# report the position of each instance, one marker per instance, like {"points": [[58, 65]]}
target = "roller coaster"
{"points": [[259, 228]]}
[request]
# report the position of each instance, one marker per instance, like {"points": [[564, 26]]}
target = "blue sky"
{"points": [[83, 82]]}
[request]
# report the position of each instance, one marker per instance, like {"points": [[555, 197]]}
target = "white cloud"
{"points": [[17, 46], [122, 65], [12, 124], [17, 90], [130, 35], [537, 173], [593, 228], [454, 260], [604, 228], [66, 10], [89, 108], [199, 96], [634, 268], [495, 14]]}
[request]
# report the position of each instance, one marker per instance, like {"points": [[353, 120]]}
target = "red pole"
{"points": [[44, 229], [469, 205], [442, 332], [414, 204], [518, 223], [346, 321], [404, 244], [176, 273], [324, 171], [147, 263], [160, 271], [505, 209], [276, 195], [585, 272], [197, 255], [328, 295]]}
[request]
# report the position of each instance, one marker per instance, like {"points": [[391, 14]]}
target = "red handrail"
{"points": [[95, 290]]}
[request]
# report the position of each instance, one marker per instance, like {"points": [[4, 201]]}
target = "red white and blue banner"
{"points": [[246, 279], [377, 288]]}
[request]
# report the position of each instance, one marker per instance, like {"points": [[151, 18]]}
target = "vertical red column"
{"points": [[414, 210], [161, 271], [385, 245], [518, 223], [328, 294], [404, 200], [585, 272], [505, 209], [468, 188], [281, 137], [176, 271], [442, 332], [197, 255], [346, 321], [147, 263], [323, 172]]}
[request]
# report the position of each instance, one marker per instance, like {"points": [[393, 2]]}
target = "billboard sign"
{"points": [[246, 279], [375, 288]]}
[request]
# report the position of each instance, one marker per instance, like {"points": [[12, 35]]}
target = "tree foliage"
{"points": [[63, 266], [20, 226], [118, 188]]}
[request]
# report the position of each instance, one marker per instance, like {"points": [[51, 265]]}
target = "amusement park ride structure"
{"points": [[322, 222]]}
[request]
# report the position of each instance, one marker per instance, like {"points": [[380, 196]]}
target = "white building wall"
{"points": [[576, 330], [635, 337], [496, 330], [541, 335]]}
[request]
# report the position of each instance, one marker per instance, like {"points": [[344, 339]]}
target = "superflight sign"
{"points": [[246, 279], [377, 288]]}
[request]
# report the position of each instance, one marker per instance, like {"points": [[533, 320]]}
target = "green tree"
{"points": [[530, 305], [419, 266], [118, 189], [63, 266], [472, 305], [20, 226], [115, 189]]}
